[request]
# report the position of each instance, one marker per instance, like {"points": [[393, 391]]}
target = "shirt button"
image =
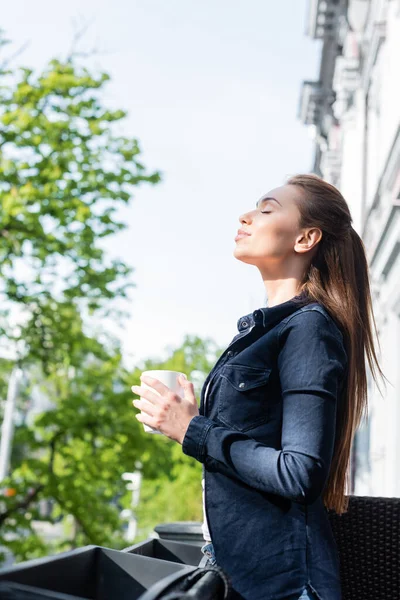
{"points": [[242, 384], [245, 324], [229, 354]]}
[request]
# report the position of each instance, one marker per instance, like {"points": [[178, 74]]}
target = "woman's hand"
{"points": [[167, 412]]}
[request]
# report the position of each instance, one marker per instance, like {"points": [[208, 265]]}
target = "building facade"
{"points": [[353, 111]]}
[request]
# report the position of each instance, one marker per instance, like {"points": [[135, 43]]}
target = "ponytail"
{"points": [[338, 278]]}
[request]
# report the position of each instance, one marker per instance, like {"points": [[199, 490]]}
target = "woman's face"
{"points": [[273, 228]]}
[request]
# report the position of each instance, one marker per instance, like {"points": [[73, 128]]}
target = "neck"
{"points": [[281, 290]]}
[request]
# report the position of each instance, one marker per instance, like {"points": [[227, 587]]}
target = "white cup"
{"points": [[170, 379]]}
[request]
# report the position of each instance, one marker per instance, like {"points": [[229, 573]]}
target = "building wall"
{"points": [[354, 111]]}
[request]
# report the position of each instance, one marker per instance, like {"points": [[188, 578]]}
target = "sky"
{"points": [[212, 90]]}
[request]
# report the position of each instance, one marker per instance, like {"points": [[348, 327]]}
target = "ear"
{"points": [[307, 240]]}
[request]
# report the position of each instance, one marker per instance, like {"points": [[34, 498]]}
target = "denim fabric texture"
{"points": [[265, 436], [209, 555]]}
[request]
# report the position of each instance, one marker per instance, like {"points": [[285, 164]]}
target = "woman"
{"points": [[280, 407]]}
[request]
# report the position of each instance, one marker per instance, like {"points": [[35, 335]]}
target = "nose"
{"points": [[245, 218]]}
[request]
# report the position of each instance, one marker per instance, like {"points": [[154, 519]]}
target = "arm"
{"points": [[311, 366]]}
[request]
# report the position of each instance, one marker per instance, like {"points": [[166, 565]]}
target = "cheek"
{"points": [[277, 238]]}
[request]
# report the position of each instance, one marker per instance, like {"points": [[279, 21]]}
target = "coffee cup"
{"points": [[170, 379]]}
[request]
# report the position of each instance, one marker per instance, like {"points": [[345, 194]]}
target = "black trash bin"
{"points": [[181, 531], [179, 552], [92, 572]]}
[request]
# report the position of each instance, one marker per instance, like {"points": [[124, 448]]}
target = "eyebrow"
{"points": [[262, 200]]}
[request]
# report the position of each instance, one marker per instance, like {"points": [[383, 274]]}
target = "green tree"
{"points": [[73, 457], [63, 175], [64, 172]]}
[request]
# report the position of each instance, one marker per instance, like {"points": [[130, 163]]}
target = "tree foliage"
{"points": [[64, 172], [63, 175], [72, 456]]}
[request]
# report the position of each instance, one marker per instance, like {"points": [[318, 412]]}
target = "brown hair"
{"points": [[338, 278]]}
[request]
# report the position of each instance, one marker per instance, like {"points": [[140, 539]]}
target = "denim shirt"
{"points": [[265, 437]]}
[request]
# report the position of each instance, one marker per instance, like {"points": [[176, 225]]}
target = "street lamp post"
{"points": [[135, 480], [7, 428]]}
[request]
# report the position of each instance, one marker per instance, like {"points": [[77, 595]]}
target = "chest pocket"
{"points": [[242, 398]]}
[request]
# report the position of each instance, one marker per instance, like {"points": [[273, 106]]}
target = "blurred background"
{"points": [[132, 137]]}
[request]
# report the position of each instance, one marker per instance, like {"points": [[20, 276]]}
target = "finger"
{"points": [[158, 385], [147, 394], [144, 406], [147, 420], [188, 388]]}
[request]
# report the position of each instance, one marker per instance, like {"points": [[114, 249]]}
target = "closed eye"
{"points": [[266, 212]]}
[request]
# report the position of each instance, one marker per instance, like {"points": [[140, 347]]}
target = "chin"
{"points": [[243, 257]]}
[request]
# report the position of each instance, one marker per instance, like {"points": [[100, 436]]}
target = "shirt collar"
{"points": [[268, 316]]}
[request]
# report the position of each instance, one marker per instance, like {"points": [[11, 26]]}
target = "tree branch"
{"points": [[25, 503], [7, 61], [78, 35], [77, 519], [21, 505]]}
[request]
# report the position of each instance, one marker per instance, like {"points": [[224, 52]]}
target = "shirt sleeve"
{"points": [[311, 365]]}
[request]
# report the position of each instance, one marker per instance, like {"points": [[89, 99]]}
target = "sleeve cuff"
{"points": [[194, 441]]}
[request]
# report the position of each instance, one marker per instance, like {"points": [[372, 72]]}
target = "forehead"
{"points": [[284, 194]]}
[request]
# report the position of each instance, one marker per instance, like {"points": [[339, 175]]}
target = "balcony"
{"points": [[322, 19]]}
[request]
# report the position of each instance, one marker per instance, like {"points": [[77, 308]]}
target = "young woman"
{"points": [[280, 408]]}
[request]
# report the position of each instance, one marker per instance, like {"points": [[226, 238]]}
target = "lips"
{"points": [[241, 234]]}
